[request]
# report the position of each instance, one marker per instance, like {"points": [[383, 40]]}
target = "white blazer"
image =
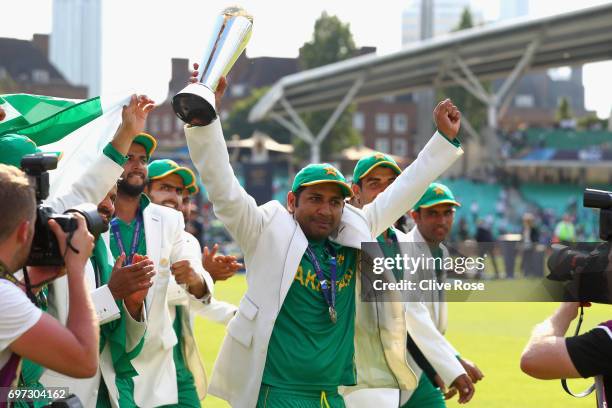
{"points": [[155, 383], [273, 245], [438, 310], [217, 311], [426, 335]]}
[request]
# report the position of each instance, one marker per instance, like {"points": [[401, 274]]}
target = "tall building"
{"points": [[424, 19], [430, 18], [513, 8], [76, 42]]}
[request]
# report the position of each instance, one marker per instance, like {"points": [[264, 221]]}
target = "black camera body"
{"points": [[584, 266], [45, 248]]}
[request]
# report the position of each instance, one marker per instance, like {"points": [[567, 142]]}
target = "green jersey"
{"points": [[307, 350], [126, 230]]}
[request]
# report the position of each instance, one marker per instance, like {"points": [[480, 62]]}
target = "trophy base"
{"points": [[195, 105]]}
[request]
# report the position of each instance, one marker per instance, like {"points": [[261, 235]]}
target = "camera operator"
{"points": [[72, 350], [549, 354]]}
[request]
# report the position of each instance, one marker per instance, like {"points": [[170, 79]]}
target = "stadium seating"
{"points": [[566, 139]]}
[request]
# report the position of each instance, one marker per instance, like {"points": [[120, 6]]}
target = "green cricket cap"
{"points": [[13, 147], [161, 168], [148, 142], [435, 194], [321, 173], [366, 164]]}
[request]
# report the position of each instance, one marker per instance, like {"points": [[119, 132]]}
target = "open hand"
{"points": [[134, 115], [131, 279], [219, 267]]}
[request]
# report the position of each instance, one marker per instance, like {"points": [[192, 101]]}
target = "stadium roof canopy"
{"points": [[480, 53]]}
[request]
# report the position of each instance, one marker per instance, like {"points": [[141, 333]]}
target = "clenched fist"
{"points": [[447, 118]]}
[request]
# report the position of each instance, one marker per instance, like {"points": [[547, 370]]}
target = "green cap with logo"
{"points": [[148, 142], [435, 194], [14, 147], [366, 164], [318, 174], [161, 168]]}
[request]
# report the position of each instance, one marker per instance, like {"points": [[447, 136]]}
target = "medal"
{"points": [[135, 237], [332, 315], [328, 289]]}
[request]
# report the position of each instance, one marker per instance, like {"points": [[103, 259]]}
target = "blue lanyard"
{"points": [[135, 237], [327, 287]]}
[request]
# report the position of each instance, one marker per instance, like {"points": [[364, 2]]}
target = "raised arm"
{"points": [[442, 150], [95, 182], [235, 208]]}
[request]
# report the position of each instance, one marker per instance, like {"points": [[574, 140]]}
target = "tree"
{"points": [[238, 120], [564, 111], [592, 122], [472, 108], [331, 42], [466, 20]]}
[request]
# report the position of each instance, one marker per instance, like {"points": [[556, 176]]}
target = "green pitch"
{"points": [[490, 334]]}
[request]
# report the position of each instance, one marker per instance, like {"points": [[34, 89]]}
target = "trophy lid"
{"points": [[237, 11]]}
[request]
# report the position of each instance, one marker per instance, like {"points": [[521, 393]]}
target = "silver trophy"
{"points": [[195, 104]]}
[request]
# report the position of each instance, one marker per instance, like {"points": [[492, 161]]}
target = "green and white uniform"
{"points": [[187, 394], [308, 355], [428, 395]]}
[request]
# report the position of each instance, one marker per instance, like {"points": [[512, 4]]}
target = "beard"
{"points": [[131, 190]]}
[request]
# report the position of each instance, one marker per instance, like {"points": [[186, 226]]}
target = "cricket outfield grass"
{"points": [[490, 334]]}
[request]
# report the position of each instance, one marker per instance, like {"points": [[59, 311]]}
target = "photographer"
{"points": [[72, 350], [550, 355]]}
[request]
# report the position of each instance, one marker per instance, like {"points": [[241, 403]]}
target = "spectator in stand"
{"points": [[486, 244], [474, 208], [463, 231]]}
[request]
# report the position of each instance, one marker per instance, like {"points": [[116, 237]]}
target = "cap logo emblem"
{"points": [[330, 170]]}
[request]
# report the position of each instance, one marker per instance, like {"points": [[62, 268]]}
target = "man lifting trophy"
{"points": [[195, 104]]}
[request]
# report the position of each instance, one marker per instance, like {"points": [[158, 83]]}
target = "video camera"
{"points": [[585, 266], [45, 249]]}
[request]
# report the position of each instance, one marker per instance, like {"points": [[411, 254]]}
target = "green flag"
{"points": [[78, 128]]}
